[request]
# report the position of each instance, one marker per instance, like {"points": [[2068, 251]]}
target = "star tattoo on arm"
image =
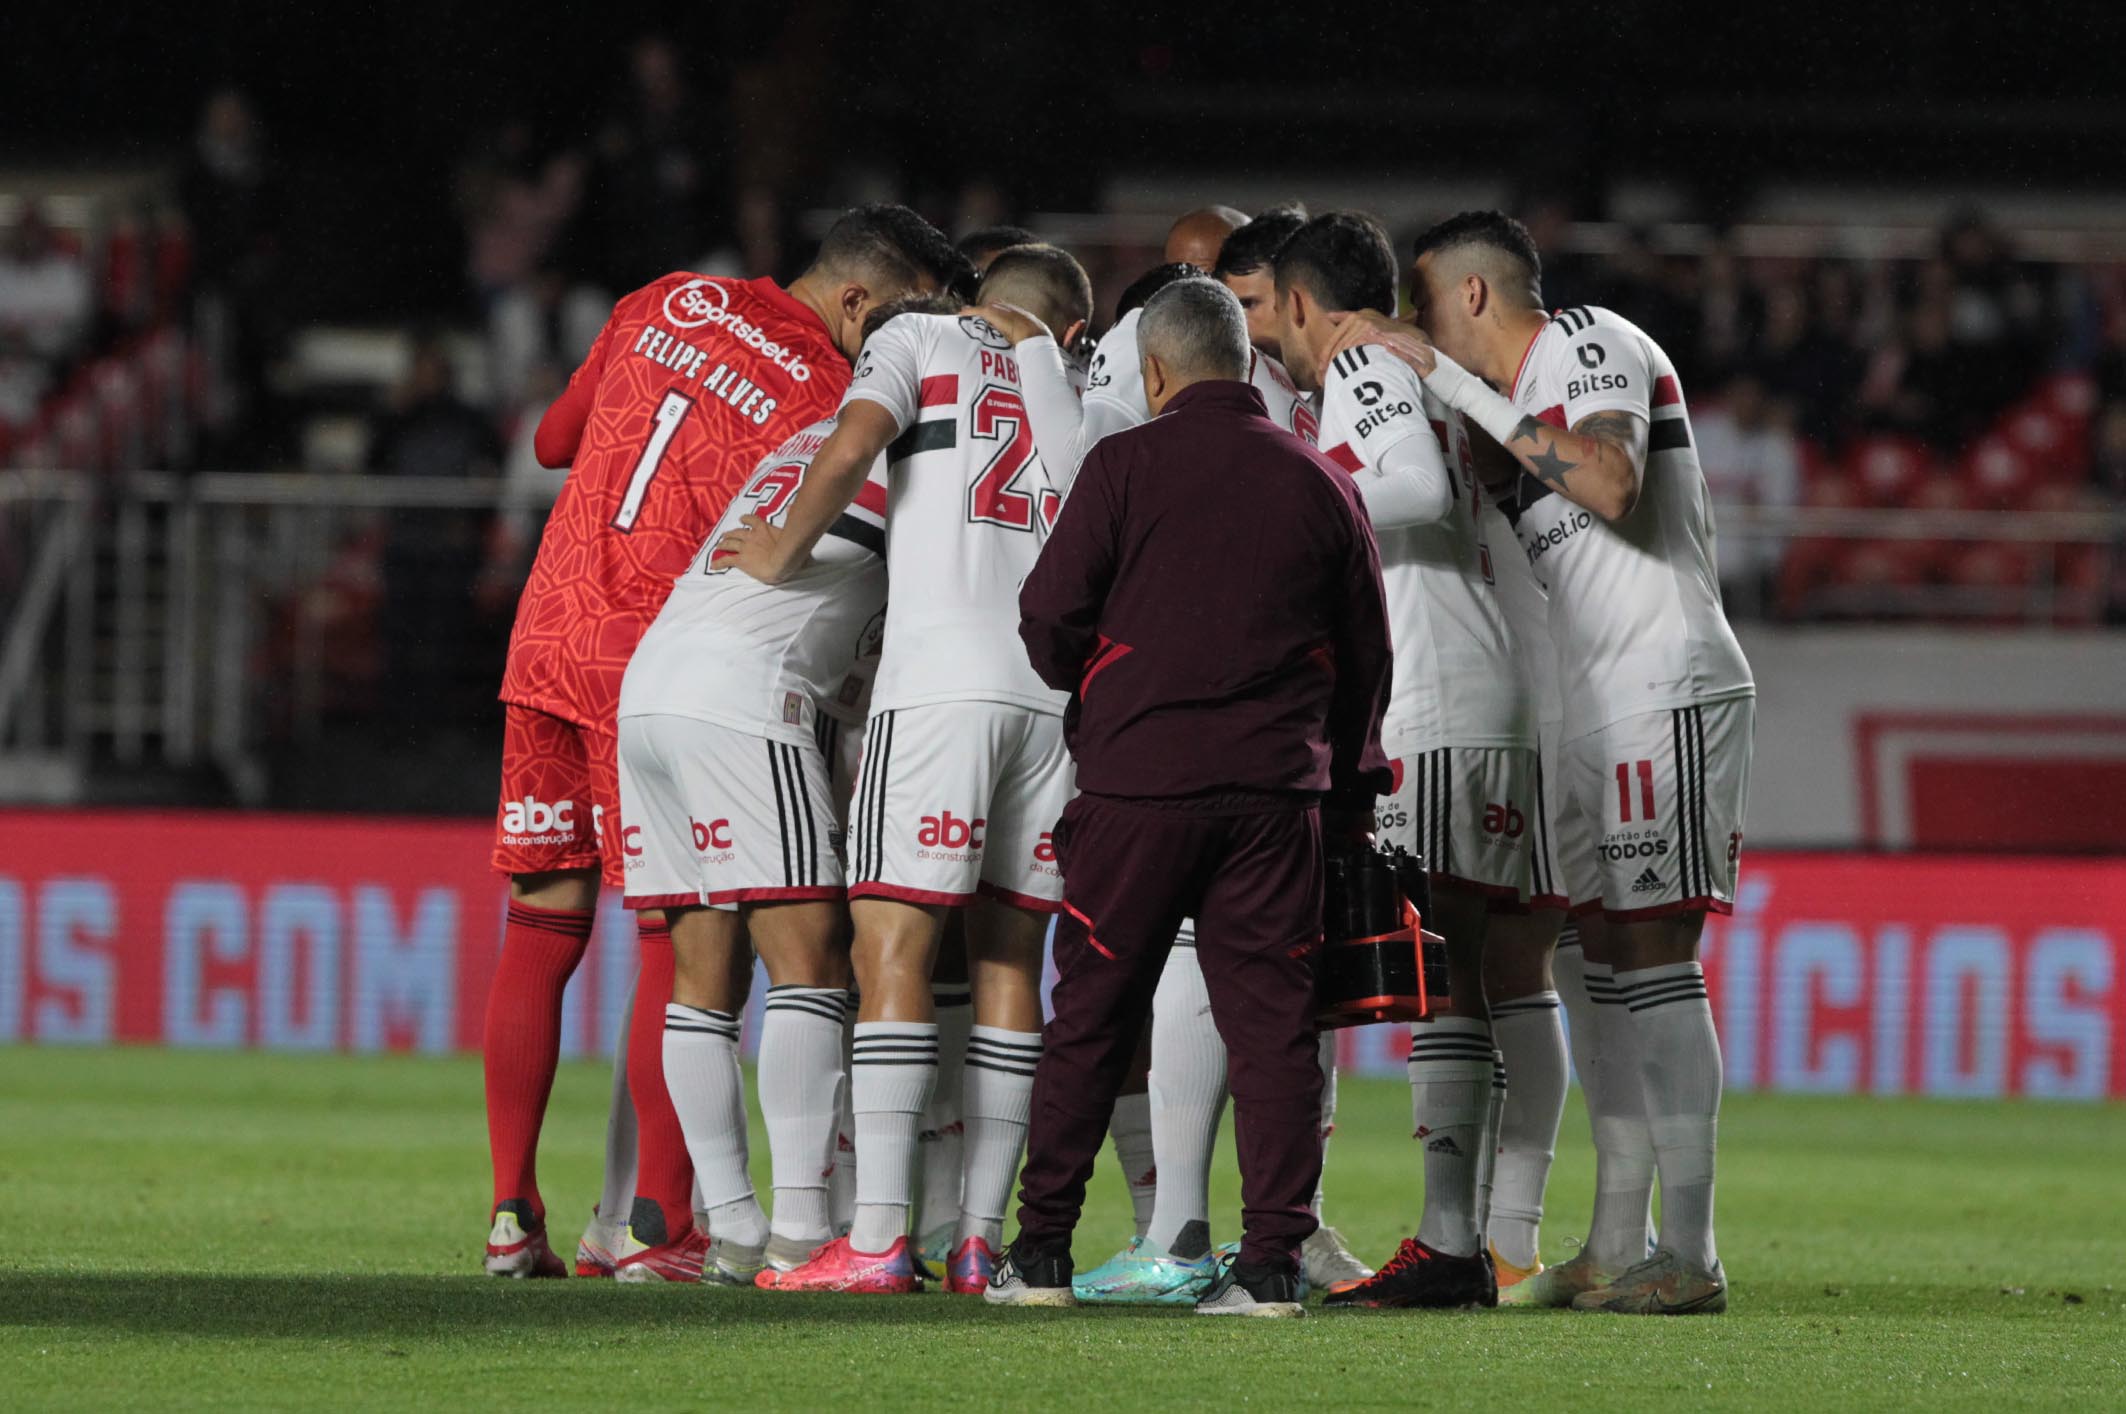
{"points": [[1545, 460]]}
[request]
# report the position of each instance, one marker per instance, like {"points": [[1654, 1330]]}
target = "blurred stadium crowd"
{"points": [[151, 332]]}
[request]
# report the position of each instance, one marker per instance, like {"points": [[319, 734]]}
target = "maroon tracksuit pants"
{"points": [[1247, 867]]}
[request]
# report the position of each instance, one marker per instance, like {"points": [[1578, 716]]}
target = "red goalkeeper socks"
{"points": [[664, 1175], [522, 1039]]}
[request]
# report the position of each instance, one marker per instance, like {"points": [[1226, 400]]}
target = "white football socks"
{"points": [[1616, 1112], [841, 1183], [617, 1195], [1679, 1063], [1131, 1129], [801, 1080], [1487, 1158], [1327, 1057], [892, 1066], [1187, 1099], [1450, 1091], [1528, 1036], [701, 1073], [940, 1140], [998, 1105]]}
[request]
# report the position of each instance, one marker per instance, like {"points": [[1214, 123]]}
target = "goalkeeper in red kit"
{"points": [[692, 381]]}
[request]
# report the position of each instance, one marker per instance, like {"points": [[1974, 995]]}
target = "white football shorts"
{"points": [[959, 798], [1470, 812], [722, 817], [1658, 801]]}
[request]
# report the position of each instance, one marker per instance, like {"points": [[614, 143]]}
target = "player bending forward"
{"points": [[692, 381], [1659, 708], [965, 770], [1457, 728], [1168, 1132], [723, 775]]}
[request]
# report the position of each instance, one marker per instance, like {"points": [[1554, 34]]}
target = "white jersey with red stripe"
{"points": [[726, 648], [1288, 407], [969, 505], [1454, 683], [1114, 385], [1634, 606]]}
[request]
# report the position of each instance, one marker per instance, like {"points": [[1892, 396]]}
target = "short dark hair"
{"points": [[1254, 246], [1044, 279], [893, 245], [1344, 260], [988, 240], [1151, 282], [1494, 230]]}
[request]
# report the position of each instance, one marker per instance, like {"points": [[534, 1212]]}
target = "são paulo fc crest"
{"points": [[983, 332]]}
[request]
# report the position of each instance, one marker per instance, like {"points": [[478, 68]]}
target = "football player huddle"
{"points": [[767, 680]]}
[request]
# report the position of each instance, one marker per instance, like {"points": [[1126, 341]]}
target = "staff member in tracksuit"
{"points": [[1211, 596]]}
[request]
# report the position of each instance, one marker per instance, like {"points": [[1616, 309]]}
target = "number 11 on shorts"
{"points": [[1645, 770]]}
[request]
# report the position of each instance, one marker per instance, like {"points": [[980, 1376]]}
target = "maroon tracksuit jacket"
{"points": [[1211, 596]]}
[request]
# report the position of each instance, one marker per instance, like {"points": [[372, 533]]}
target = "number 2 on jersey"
{"points": [[664, 423], [998, 415], [775, 488]]}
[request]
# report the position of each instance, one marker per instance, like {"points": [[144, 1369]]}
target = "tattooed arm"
{"points": [[1598, 464]]}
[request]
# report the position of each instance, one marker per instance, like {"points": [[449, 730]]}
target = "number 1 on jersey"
{"points": [[665, 422]]}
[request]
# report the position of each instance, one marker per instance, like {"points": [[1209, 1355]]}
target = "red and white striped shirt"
{"points": [[971, 505]]}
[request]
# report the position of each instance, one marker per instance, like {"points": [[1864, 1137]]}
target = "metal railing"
{"points": [[209, 622]]}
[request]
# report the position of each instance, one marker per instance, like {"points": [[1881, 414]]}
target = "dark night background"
{"points": [[368, 105]]}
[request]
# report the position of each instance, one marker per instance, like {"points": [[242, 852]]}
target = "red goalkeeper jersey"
{"points": [[691, 382]]}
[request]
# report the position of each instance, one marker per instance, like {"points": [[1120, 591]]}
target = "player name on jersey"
{"points": [[688, 361], [970, 503]]}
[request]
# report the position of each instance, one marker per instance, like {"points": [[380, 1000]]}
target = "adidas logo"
{"points": [[1648, 883], [1444, 1145], [1150, 1178]]}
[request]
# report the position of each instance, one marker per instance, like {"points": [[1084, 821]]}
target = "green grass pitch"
{"points": [[181, 1229]]}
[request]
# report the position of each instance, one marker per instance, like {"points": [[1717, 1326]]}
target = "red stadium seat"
{"points": [[1999, 474], [1998, 579], [2057, 443], [1888, 470], [2082, 572], [1808, 561], [1944, 492], [1881, 578], [2071, 395]]}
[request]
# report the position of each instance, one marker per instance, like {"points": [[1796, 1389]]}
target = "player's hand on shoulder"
{"points": [[1009, 320], [1360, 326], [754, 548], [1410, 344]]}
